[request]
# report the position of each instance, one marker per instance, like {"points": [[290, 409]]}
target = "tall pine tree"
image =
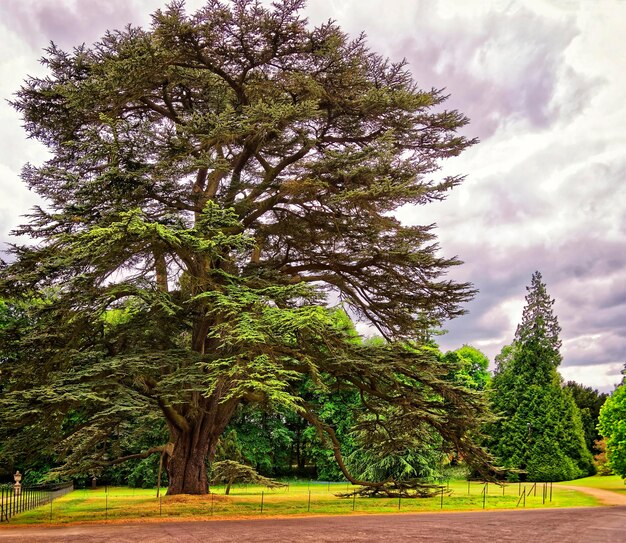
{"points": [[539, 431]]}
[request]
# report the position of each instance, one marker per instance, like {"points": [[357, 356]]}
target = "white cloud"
{"points": [[541, 80]]}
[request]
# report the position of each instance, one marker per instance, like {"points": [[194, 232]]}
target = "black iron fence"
{"points": [[14, 501]]}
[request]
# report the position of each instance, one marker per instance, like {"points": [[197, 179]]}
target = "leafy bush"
{"points": [[601, 460]]}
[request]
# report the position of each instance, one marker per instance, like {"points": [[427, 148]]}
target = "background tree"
{"points": [[612, 425], [264, 440], [589, 401], [540, 430], [601, 460], [31, 447], [473, 369], [210, 180]]}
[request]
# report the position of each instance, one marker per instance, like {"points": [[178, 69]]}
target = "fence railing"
{"points": [[14, 501]]}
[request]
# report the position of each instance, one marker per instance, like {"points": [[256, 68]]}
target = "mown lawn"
{"points": [[116, 503], [611, 482]]}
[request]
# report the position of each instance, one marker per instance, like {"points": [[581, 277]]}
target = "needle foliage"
{"points": [[211, 179], [539, 431]]}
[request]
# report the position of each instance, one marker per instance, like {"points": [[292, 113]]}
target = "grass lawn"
{"points": [[611, 482], [245, 501]]}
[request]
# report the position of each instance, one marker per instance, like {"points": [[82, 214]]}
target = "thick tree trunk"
{"points": [[186, 469], [194, 445]]}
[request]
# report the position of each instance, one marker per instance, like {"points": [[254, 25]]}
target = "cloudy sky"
{"points": [[544, 84]]}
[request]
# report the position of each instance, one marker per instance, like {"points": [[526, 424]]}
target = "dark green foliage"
{"points": [[414, 464], [259, 438], [209, 181], [540, 429], [339, 410], [229, 472], [229, 447], [589, 401]]}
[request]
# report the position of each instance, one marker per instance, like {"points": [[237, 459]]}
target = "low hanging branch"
{"points": [[325, 429], [228, 472], [162, 449], [413, 488]]}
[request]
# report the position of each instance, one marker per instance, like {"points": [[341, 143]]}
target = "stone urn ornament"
{"points": [[17, 487]]}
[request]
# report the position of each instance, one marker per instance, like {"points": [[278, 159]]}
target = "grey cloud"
{"points": [[502, 67], [591, 352], [68, 22], [580, 304]]}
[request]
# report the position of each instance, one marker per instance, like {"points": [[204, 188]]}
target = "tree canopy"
{"points": [[589, 401], [539, 431], [211, 180], [612, 425], [474, 367]]}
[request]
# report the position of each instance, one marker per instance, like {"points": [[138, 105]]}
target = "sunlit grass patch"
{"points": [[298, 498], [613, 483]]}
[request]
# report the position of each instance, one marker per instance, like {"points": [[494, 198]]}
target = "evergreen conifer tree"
{"points": [[539, 430], [209, 180]]}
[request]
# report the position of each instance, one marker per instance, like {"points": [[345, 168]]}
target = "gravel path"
{"points": [[576, 525], [606, 497]]}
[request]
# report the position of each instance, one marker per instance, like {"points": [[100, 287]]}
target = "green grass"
{"points": [[611, 482], [121, 503]]}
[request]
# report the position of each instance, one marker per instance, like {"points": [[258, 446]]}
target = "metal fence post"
{"points": [[308, 510]]}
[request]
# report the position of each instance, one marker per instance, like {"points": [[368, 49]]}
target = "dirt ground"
{"points": [[576, 525], [606, 497]]}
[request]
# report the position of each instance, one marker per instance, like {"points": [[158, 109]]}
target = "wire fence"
{"points": [[18, 500], [316, 497]]}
